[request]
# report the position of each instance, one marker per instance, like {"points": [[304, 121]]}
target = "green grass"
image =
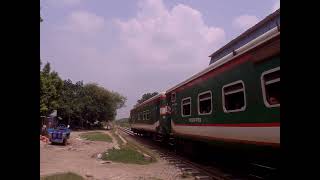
{"points": [[136, 145], [63, 176], [96, 136], [126, 154]]}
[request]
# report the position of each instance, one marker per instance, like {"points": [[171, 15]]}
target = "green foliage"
{"points": [[126, 154], [146, 96], [96, 136], [84, 105], [63, 176], [88, 105], [50, 90], [78, 104], [129, 152]]}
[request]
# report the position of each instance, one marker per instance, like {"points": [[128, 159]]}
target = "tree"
{"points": [[69, 101], [84, 105], [146, 96], [78, 104], [105, 102], [50, 90]]}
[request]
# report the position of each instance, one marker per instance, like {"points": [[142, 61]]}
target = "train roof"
{"points": [[275, 32], [269, 22], [151, 99]]}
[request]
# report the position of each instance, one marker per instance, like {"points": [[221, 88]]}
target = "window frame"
{"points": [[205, 92], [244, 96], [186, 104], [144, 116], [175, 97], [263, 87], [148, 113]]}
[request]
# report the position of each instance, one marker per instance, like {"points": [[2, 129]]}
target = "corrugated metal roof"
{"points": [[274, 32], [261, 27]]}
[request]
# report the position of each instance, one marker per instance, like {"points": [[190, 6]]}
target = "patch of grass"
{"points": [[136, 145], [126, 154], [133, 144], [63, 176], [96, 136]]}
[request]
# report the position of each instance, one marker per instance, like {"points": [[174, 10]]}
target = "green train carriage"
{"points": [[145, 118], [236, 99]]}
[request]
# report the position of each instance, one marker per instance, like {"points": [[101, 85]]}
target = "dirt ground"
{"points": [[80, 156]]}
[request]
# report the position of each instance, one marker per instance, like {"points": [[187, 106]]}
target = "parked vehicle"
{"points": [[60, 135]]}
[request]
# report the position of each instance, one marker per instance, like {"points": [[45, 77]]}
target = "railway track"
{"points": [[214, 171], [185, 166], [199, 171]]}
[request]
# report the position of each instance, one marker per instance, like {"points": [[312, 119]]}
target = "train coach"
{"points": [[236, 99], [148, 117]]}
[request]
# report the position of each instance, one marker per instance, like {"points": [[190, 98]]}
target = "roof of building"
{"points": [[253, 32], [267, 36]]}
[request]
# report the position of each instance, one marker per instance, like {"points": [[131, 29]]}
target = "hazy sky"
{"points": [[138, 46]]}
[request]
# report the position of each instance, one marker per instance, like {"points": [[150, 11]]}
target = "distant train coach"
{"points": [[235, 99], [146, 117]]}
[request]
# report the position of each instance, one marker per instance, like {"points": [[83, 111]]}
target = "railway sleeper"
{"points": [[193, 172], [258, 171], [174, 161], [181, 165], [186, 169]]}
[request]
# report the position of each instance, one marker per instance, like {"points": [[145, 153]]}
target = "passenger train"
{"points": [[235, 99]]}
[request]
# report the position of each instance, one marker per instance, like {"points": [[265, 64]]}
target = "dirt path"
{"points": [[80, 156]]}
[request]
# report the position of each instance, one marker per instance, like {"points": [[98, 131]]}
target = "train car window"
{"points": [[270, 83], [144, 115], [233, 97], [173, 97], [186, 107], [205, 103], [148, 115]]}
